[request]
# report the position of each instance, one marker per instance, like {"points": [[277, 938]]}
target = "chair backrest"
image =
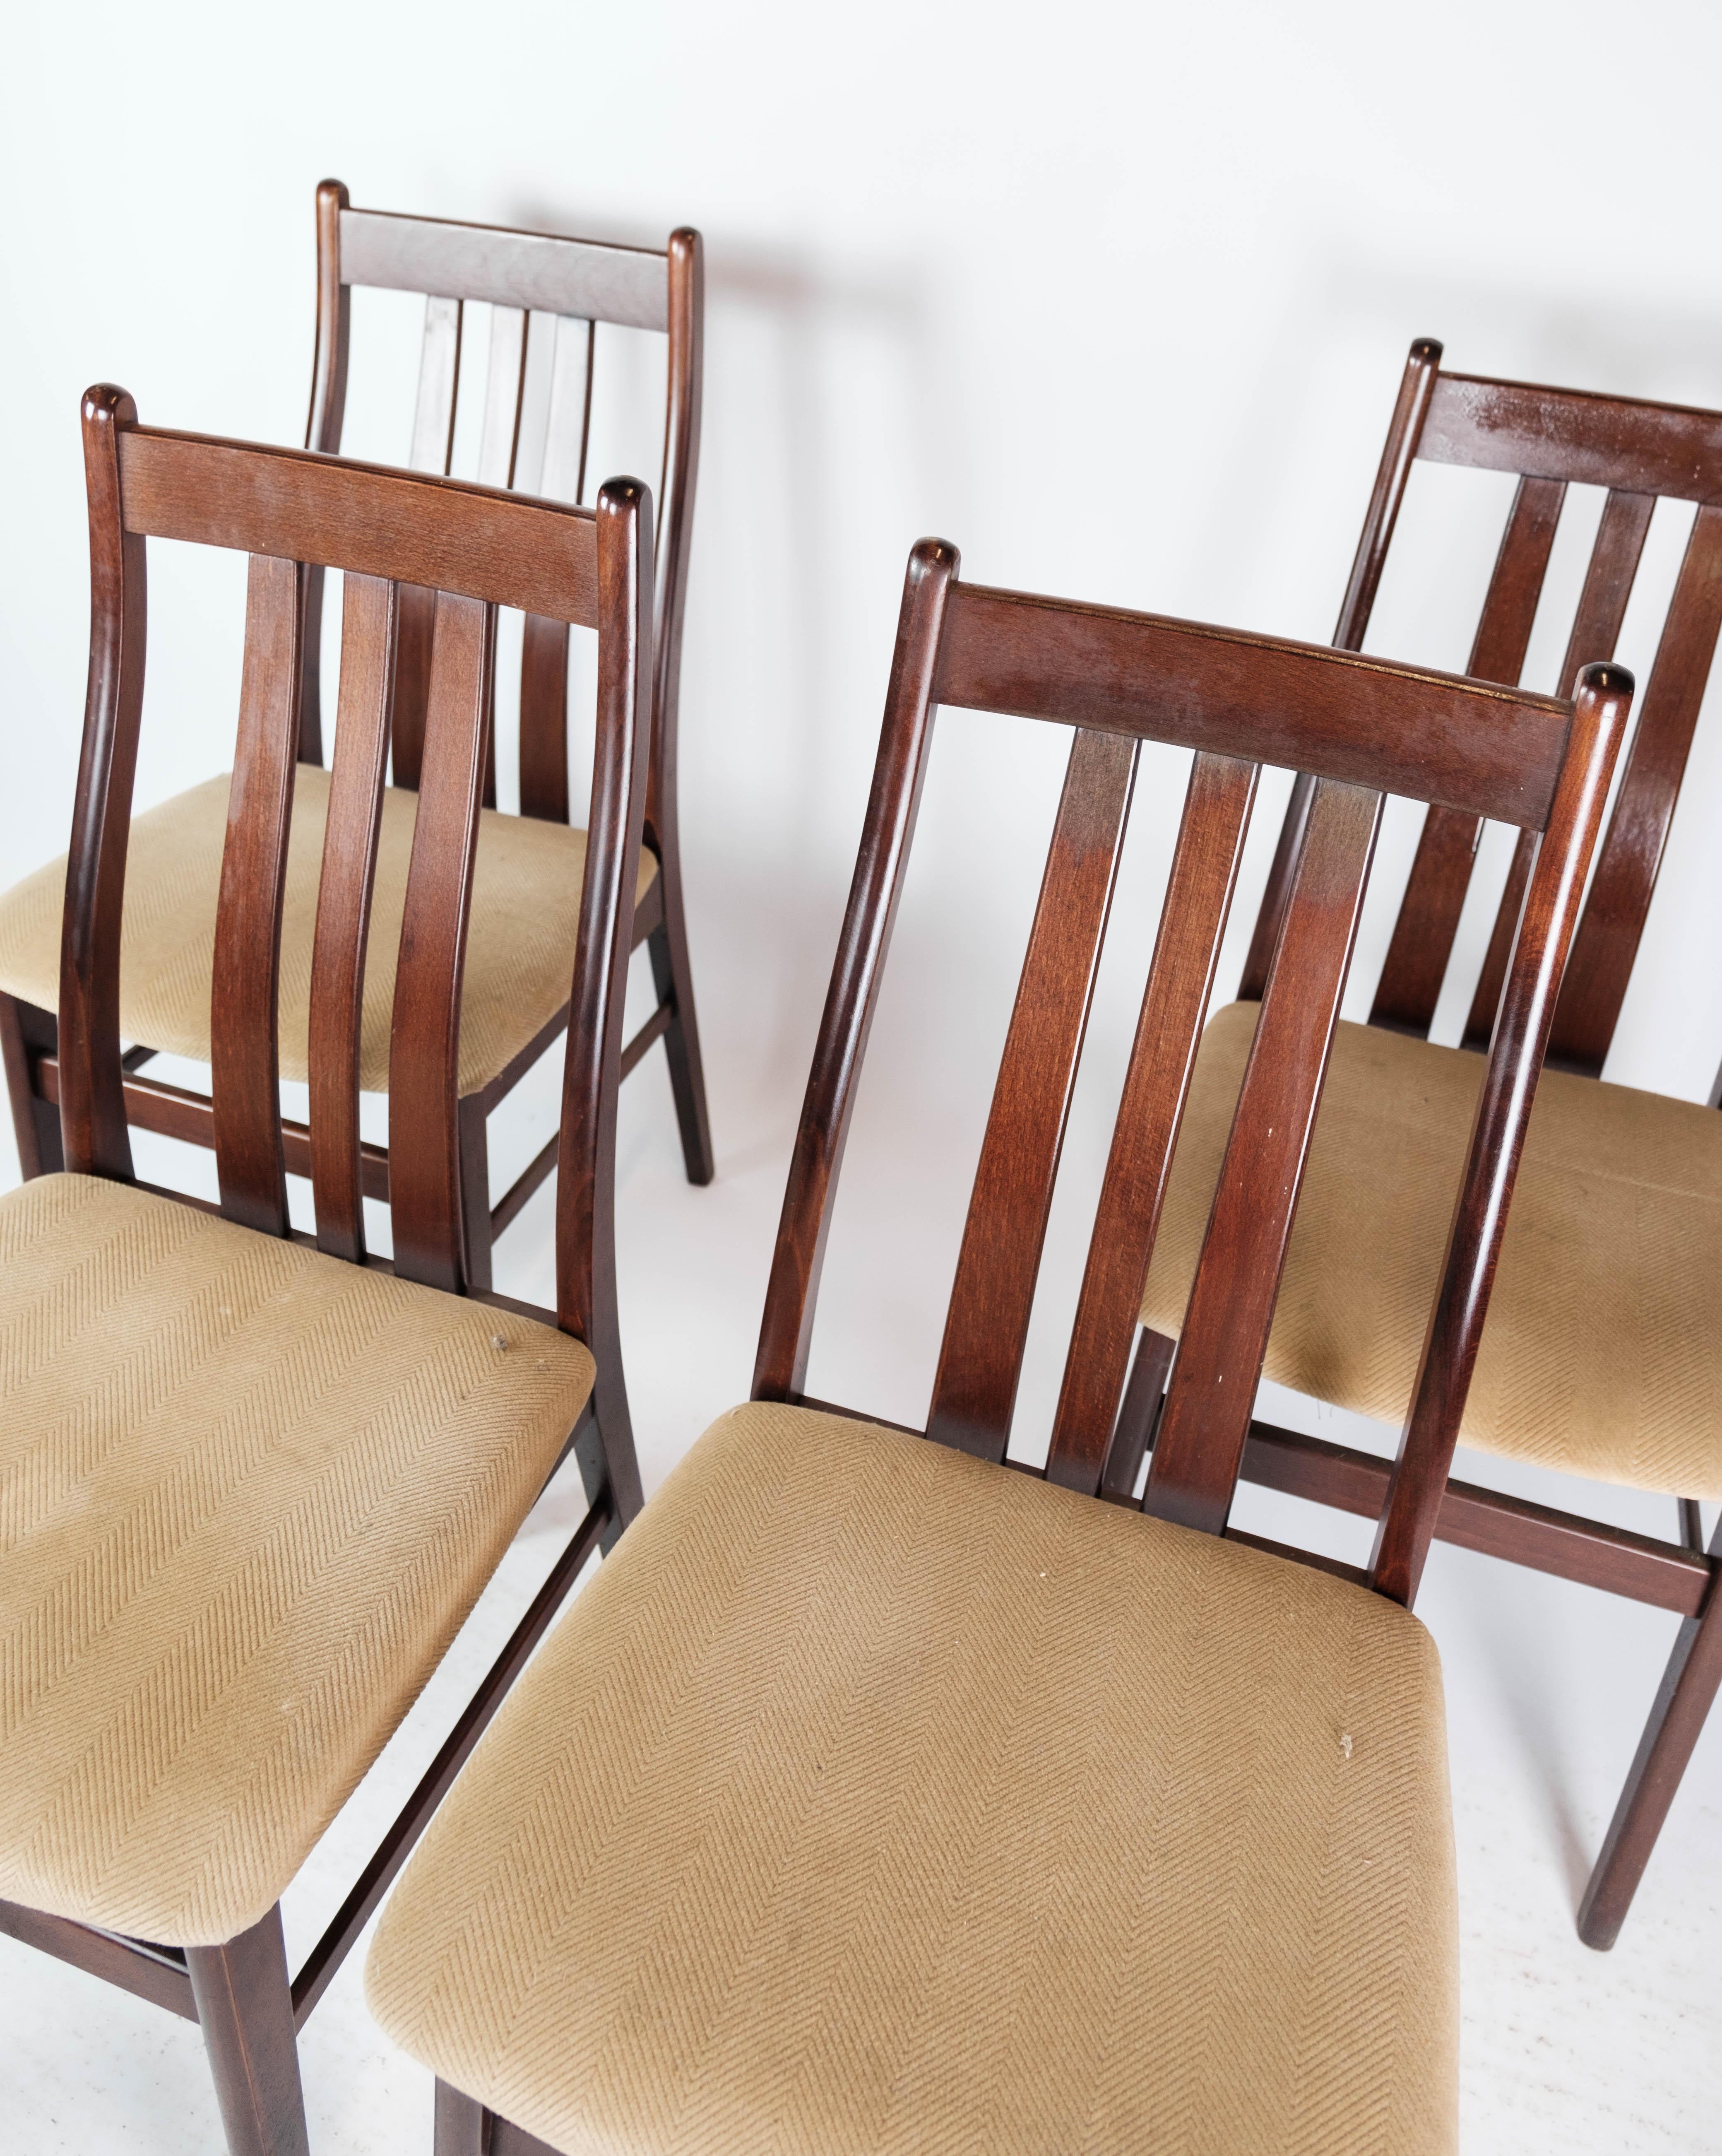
{"points": [[1368, 729], [475, 549], [1551, 439], [546, 294]]}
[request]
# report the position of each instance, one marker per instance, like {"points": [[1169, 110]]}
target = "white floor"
{"points": [[1547, 1685]]}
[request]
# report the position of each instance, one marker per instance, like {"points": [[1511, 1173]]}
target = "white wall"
{"points": [[1115, 297]]}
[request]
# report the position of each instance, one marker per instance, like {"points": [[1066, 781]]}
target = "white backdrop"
{"points": [[1116, 298]]}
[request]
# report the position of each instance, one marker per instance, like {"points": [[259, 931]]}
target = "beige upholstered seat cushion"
{"points": [[874, 1798], [1602, 1352], [520, 956], [247, 1495]]}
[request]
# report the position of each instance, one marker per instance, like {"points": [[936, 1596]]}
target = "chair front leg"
{"points": [[463, 2127], [1688, 1685], [25, 1034], [244, 2002]]}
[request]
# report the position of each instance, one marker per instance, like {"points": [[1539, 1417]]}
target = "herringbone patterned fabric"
{"points": [[519, 957], [247, 1495], [874, 1798], [1602, 1351]]}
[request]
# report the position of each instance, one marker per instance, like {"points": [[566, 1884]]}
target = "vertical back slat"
{"points": [[1606, 943], [1434, 898], [244, 1059], [499, 440], [504, 381], [1405, 431], [439, 388], [424, 1047], [433, 447], [1206, 1418], [344, 911], [1180, 981], [1596, 630], [986, 1328], [558, 472]]}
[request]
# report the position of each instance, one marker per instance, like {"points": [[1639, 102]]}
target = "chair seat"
{"points": [[1602, 1351], [248, 1494], [520, 956], [875, 1799]]}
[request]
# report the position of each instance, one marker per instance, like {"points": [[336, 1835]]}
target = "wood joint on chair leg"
{"points": [[245, 2008], [26, 1035]]}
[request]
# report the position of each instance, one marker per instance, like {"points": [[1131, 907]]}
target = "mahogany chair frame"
{"points": [[547, 295], [1120, 679], [474, 548], [1641, 451]]}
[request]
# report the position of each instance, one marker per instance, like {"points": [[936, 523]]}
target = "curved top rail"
{"points": [[628, 285], [409, 527], [1265, 700], [1570, 434]]}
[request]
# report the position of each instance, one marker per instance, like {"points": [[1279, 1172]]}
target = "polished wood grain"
{"points": [[1120, 679], [509, 269], [1180, 980], [1626, 443], [1405, 431], [1677, 1716], [244, 997], [1546, 925], [987, 1325], [672, 969], [1393, 728], [1662, 1574], [322, 431], [559, 474], [92, 1084], [1428, 917], [1551, 438], [431, 449], [288, 503], [424, 1040], [1612, 924], [246, 2013], [1199, 1445], [534, 383], [780, 1366], [344, 894], [157, 1973], [586, 1184]]}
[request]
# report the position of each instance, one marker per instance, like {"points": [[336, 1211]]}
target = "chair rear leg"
{"points": [[1688, 1685], [244, 2003], [25, 1034], [673, 979]]}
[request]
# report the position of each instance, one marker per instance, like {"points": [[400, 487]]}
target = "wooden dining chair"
{"points": [[879, 1798], [547, 296], [251, 1482], [1604, 1353]]}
